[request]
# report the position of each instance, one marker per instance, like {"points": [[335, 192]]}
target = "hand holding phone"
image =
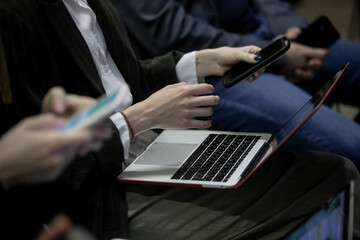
{"points": [[321, 34], [242, 71], [104, 107]]}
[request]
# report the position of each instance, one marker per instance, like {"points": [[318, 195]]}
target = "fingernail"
{"points": [[256, 58], [217, 101], [59, 107]]}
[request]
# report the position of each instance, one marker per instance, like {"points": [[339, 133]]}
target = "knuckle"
{"points": [[183, 90], [185, 123], [187, 114]]}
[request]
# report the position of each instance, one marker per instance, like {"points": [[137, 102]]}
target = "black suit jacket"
{"points": [[43, 48]]}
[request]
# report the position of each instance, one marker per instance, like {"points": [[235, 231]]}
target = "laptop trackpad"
{"points": [[166, 154]]}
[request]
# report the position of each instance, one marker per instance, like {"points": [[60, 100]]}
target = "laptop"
{"points": [[334, 220], [215, 159]]}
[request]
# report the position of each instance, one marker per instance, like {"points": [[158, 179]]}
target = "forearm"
{"points": [[139, 118]]}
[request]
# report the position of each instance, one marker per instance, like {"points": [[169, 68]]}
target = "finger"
{"points": [[56, 228], [54, 101], [43, 121], [194, 123], [304, 73], [65, 139], [76, 103], [249, 49], [315, 64], [250, 79], [199, 89], [262, 70], [246, 57], [320, 53], [198, 101], [175, 85], [201, 112], [293, 33], [253, 77]]}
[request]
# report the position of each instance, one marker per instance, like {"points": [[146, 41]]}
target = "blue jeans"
{"points": [[266, 104]]}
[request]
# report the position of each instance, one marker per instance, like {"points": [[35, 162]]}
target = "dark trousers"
{"points": [[286, 190]]}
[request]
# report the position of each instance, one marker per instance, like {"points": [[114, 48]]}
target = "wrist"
{"points": [[203, 62], [131, 130], [137, 117]]}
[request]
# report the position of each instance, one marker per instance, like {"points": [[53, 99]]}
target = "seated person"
{"points": [[158, 26], [83, 46]]}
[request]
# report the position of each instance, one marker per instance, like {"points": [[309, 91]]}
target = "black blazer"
{"points": [[43, 48]]}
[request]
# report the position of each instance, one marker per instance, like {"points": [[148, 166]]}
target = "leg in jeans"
{"points": [[267, 103], [283, 192], [348, 88]]}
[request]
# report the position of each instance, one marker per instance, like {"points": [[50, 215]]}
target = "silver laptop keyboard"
{"points": [[217, 158]]}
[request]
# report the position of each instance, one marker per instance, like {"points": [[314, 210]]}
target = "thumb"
{"points": [[293, 33], [54, 101], [247, 57]]}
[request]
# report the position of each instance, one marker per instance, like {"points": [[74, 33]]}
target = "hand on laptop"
{"points": [[174, 106], [178, 105]]}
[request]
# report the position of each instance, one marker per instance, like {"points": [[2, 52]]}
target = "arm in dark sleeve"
{"points": [[279, 16], [159, 26]]}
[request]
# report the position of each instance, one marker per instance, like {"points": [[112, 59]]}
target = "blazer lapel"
{"points": [[67, 30]]}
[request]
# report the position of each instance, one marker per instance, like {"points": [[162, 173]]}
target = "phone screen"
{"points": [[93, 114], [321, 33], [242, 71]]}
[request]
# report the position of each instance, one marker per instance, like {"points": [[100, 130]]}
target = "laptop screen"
{"points": [[307, 110], [332, 221], [294, 123]]}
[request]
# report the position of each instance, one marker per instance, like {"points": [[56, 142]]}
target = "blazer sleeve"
{"points": [[279, 16], [159, 26]]}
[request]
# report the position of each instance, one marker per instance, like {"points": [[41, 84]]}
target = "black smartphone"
{"points": [[242, 71], [321, 33]]}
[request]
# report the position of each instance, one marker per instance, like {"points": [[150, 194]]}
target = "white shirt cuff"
{"points": [[186, 68], [123, 128]]}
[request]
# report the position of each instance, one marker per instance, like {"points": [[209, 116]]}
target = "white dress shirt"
{"points": [[111, 78]]}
